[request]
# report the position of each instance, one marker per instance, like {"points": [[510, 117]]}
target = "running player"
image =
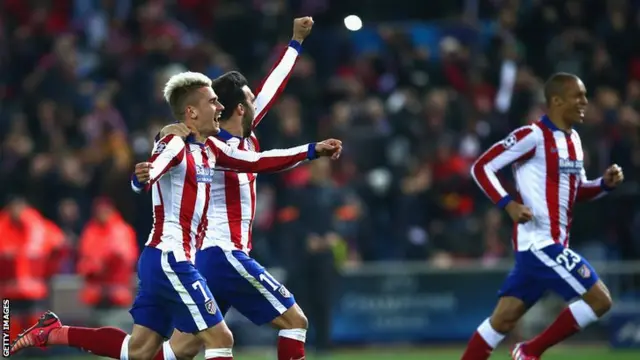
{"points": [[172, 293], [234, 278], [547, 161]]}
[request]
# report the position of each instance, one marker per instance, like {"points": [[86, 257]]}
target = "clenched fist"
{"points": [[519, 213], [143, 171], [302, 28], [329, 147], [613, 176]]}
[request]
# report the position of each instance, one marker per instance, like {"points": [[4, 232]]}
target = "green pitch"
{"points": [[582, 353]]}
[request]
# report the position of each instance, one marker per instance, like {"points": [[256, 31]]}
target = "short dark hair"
{"points": [[228, 87], [555, 85]]}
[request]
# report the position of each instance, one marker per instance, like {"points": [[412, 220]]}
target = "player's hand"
{"points": [[519, 213], [613, 176], [143, 172], [180, 130], [302, 28], [329, 147]]}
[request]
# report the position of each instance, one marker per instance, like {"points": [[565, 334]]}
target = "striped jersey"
{"points": [[547, 164], [180, 181], [233, 195]]}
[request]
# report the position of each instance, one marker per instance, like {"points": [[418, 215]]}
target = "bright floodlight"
{"points": [[353, 23]]}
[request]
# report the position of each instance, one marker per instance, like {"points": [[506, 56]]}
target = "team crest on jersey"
{"points": [[210, 306], [160, 147], [509, 141], [584, 272], [204, 174], [284, 292]]}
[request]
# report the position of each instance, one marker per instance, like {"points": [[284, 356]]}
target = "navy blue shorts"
{"points": [[552, 268], [172, 295], [237, 280]]}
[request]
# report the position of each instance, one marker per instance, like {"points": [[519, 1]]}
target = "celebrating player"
{"points": [[172, 293], [547, 160], [234, 278]]}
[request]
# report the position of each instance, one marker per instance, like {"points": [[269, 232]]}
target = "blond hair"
{"points": [[179, 88]]}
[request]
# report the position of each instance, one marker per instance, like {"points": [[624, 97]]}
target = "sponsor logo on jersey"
{"points": [[568, 166], [210, 306], [204, 174]]}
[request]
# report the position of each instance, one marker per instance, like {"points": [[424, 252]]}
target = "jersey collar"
{"points": [[226, 136], [548, 123]]}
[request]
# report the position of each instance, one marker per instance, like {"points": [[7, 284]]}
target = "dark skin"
{"points": [[566, 109]]}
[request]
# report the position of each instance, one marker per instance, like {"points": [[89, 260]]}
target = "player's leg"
{"points": [[183, 346], [49, 331], [293, 326], [573, 277], [240, 281], [150, 319], [517, 294], [195, 310]]}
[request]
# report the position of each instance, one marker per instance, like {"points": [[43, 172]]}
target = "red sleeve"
{"points": [[167, 153], [231, 158], [590, 189], [273, 85], [520, 145]]}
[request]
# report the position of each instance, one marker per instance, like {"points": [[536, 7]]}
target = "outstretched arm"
{"points": [[231, 158], [275, 82]]}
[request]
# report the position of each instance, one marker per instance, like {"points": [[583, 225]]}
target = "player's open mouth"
{"points": [[581, 112]]}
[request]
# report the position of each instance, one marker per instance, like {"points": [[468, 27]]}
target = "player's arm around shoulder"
{"points": [[167, 152]]}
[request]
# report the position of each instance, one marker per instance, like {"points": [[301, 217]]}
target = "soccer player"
{"points": [[234, 278], [547, 161], [172, 293]]}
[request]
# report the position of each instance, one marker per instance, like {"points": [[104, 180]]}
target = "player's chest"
{"points": [[200, 162], [566, 152]]}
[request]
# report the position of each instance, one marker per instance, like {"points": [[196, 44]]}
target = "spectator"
{"points": [[107, 256], [31, 249]]}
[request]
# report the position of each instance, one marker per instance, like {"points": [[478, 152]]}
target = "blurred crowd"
{"points": [[81, 80]]}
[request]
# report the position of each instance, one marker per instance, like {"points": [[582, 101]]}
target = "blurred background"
{"points": [[393, 243]]}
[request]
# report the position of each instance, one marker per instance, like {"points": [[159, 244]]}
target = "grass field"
{"points": [[581, 353]]}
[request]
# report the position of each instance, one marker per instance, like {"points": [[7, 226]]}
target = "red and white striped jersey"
{"points": [[233, 195], [232, 201], [181, 178], [548, 169]]}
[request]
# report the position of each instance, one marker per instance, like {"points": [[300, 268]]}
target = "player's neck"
{"points": [[559, 122], [199, 137], [232, 126]]}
